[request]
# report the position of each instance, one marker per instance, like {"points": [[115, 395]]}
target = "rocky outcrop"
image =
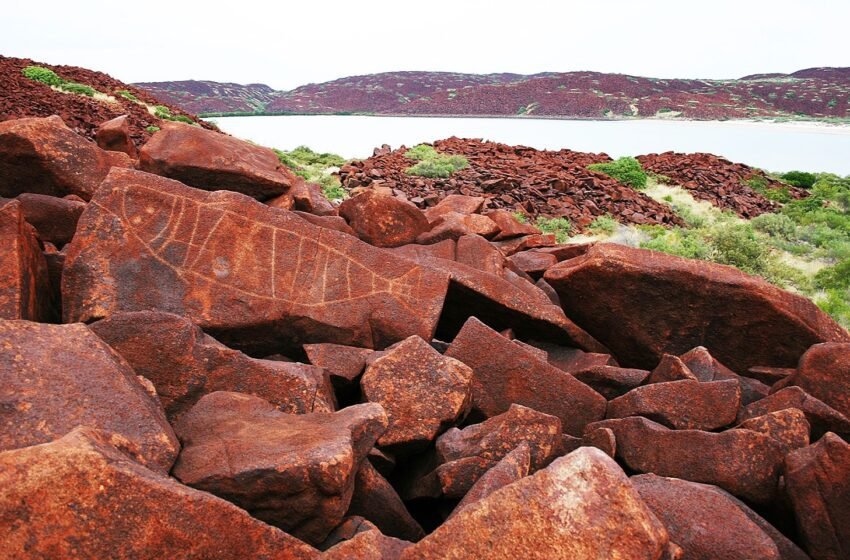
{"points": [[24, 277]]}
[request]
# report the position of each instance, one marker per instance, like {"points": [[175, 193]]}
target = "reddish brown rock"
{"points": [[513, 466], [208, 160], [344, 364], [453, 225], [824, 373], [549, 291], [443, 250], [42, 155], [580, 507], [611, 381], [672, 368], [383, 221], [706, 368], [820, 416], [185, 364], [509, 226], [114, 135], [477, 252], [572, 360], [54, 378], [656, 303], [536, 241], [533, 263], [711, 524], [367, 545], [80, 497], [505, 373], [330, 222], [422, 392], [55, 219], [682, 405], [769, 375], [459, 203], [602, 439], [24, 282], [257, 279], [817, 479], [788, 427], [376, 500], [743, 462], [295, 471], [309, 198]]}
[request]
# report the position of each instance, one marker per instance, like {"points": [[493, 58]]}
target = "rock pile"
{"points": [[239, 379], [719, 181]]}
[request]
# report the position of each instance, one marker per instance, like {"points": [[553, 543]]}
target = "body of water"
{"points": [[771, 146]]}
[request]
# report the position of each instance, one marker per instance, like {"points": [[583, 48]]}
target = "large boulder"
{"points": [[42, 155], [209, 160], [295, 471], [581, 507], [642, 304], [184, 364], [824, 373], [24, 282], [382, 220], [54, 378], [258, 279], [83, 496], [55, 219], [114, 135]]}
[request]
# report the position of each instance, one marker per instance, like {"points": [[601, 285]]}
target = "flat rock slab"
{"points": [[185, 364], [581, 507], [344, 364], [256, 278], [81, 497], [383, 221], [788, 427], [54, 378], [821, 417], [513, 466], [24, 280], [642, 304], [376, 500], [208, 160], [295, 471]]}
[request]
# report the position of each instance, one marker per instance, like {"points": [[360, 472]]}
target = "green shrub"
{"points": [[152, 129], [677, 241], [432, 164], [162, 112], [603, 225], [776, 225], [43, 75], [627, 170], [305, 156], [561, 227], [837, 304], [834, 277], [127, 95], [520, 217], [332, 188], [421, 152], [800, 179], [80, 89], [737, 245]]}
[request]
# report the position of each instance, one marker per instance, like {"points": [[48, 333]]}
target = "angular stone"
{"points": [[42, 155], [453, 225], [572, 360], [549, 291], [423, 393], [344, 364], [185, 364], [376, 500], [817, 479], [824, 373], [255, 278], [367, 545], [706, 368], [513, 466], [526, 242], [350, 527], [656, 303], [81, 497], [459, 203], [821, 417], [788, 426], [442, 250], [114, 135], [330, 222], [383, 221], [580, 507], [212, 161], [682, 405], [769, 375], [611, 381], [54, 378], [309, 198], [710, 524], [24, 282], [602, 439], [671, 368], [509, 226], [743, 462], [477, 252], [505, 374], [55, 219], [533, 263], [295, 471]]}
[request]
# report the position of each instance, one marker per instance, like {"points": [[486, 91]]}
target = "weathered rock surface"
{"points": [[84, 496], [255, 278], [42, 155], [824, 373], [114, 135], [454, 225], [54, 378], [185, 364], [459, 203], [423, 393], [376, 500], [580, 507], [788, 427], [611, 381], [24, 281], [821, 416], [212, 161], [383, 221], [513, 466], [672, 368], [505, 373], [367, 544], [55, 219], [295, 471], [344, 364], [656, 303]]}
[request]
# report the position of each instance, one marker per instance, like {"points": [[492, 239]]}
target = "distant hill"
{"points": [[811, 93]]}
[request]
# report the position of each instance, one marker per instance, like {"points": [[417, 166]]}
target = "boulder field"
{"points": [[201, 357]]}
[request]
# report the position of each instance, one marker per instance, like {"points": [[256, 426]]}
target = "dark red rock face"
{"points": [[252, 276], [383, 221], [24, 281], [114, 135], [824, 373], [55, 219]]}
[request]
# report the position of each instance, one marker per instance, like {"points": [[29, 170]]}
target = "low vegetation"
{"points": [[152, 129], [627, 170], [801, 179], [163, 112], [560, 227], [52, 79], [432, 164], [315, 167], [127, 95]]}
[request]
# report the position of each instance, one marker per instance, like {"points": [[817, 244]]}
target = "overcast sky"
{"points": [[286, 45]]}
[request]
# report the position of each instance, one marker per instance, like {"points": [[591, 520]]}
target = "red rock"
{"points": [[817, 479], [572, 360], [330, 222], [295, 471], [286, 201], [184, 364], [283, 282], [824, 373], [212, 161], [423, 393], [453, 225], [709, 523], [477, 252], [656, 303], [383, 221], [611, 381], [549, 291], [344, 364], [672, 368], [309, 198], [350, 527], [788, 427], [367, 545], [602, 439], [24, 281], [682, 405], [505, 374], [443, 250], [376, 500], [513, 466], [54, 378], [518, 244], [742, 462], [42, 155], [769, 375], [820, 416], [533, 263], [567, 251], [80, 497], [114, 135], [509, 226], [706, 368], [455, 203], [55, 219], [580, 507]]}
